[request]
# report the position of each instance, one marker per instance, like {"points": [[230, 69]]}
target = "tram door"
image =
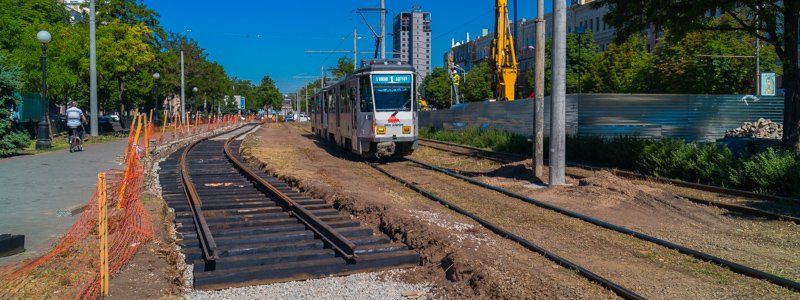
{"points": [[324, 111]]}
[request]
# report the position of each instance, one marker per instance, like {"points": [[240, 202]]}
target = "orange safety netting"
{"points": [[72, 269]]}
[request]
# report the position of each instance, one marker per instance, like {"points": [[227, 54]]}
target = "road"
{"points": [[33, 189]]}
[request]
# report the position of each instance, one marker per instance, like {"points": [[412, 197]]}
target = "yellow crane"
{"points": [[504, 57]]}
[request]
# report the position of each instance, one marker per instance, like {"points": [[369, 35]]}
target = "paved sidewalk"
{"points": [[33, 189]]}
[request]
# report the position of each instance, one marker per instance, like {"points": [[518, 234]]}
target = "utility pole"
{"points": [[306, 97], [558, 95], [94, 128], [183, 90], [758, 57], [383, 29], [355, 48], [538, 101]]}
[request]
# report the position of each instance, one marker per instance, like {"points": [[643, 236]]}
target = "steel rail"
{"points": [[338, 242], [207, 244], [735, 267], [616, 288], [698, 186], [486, 154]]}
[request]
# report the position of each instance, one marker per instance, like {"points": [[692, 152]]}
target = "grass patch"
{"points": [[771, 171], [60, 143]]}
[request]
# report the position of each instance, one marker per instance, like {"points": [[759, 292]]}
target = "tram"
{"points": [[372, 112]]}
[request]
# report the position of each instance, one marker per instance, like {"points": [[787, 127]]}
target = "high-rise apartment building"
{"points": [[412, 40]]}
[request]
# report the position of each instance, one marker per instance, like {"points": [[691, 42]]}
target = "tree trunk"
{"points": [[122, 104], [791, 83]]}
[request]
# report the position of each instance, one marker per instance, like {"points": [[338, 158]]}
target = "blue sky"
{"points": [[253, 38]]}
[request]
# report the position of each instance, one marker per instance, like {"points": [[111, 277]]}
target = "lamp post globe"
{"points": [[43, 141], [44, 36]]}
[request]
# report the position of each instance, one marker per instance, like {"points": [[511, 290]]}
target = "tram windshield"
{"points": [[392, 92]]}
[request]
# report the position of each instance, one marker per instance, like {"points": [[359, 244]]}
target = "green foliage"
{"points": [[487, 138], [679, 59], [344, 67], [623, 68], [776, 172], [695, 162], [771, 172], [610, 152], [270, 94], [11, 138], [478, 84], [582, 51], [774, 22], [436, 88]]}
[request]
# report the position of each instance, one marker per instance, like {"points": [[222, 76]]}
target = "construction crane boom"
{"points": [[504, 57]]}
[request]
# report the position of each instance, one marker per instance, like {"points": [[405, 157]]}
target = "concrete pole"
{"points": [[538, 103], [306, 98], [355, 48], [183, 90], [383, 29], [558, 95], [94, 128]]}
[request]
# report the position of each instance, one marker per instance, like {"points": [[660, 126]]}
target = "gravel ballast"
{"points": [[378, 285]]}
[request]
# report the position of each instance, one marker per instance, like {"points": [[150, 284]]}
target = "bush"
{"points": [[12, 139], [617, 152], [707, 163], [776, 172], [488, 138]]}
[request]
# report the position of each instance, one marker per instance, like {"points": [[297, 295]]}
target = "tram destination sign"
{"points": [[391, 78]]}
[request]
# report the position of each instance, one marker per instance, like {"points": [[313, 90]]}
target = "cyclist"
{"points": [[75, 120]]}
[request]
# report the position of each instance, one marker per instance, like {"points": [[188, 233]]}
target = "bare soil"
{"points": [[153, 273], [771, 246], [461, 258]]}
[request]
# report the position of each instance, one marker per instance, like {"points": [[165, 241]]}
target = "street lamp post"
{"points": [[43, 141], [156, 77], [194, 101]]}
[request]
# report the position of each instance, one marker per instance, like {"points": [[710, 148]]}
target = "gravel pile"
{"points": [[379, 285], [762, 128]]}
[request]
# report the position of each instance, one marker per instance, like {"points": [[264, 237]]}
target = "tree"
{"points": [[11, 138], [126, 54], [271, 94], [16, 16], [581, 52], [775, 22], [344, 67], [623, 68], [478, 84], [436, 88], [691, 56]]}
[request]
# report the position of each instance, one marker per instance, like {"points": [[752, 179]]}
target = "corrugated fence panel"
{"points": [[689, 117]]}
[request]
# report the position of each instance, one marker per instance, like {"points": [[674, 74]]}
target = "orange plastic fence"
{"points": [[71, 270]]}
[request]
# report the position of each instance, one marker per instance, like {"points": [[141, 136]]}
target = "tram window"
{"points": [[366, 94], [392, 98]]}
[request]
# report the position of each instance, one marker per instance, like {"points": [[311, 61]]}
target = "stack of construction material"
{"points": [[762, 128]]}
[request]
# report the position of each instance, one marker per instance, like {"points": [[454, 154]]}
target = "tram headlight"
{"points": [[406, 129], [380, 129]]}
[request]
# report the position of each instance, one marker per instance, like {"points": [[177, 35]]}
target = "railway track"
{"points": [[239, 226], [583, 271], [507, 158]]}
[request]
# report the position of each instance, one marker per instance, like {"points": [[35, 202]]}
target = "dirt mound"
{"points": [[626, 191], [762, 128]]}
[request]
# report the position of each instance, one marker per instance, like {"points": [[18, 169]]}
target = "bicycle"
{"points": [[75, 141]]}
